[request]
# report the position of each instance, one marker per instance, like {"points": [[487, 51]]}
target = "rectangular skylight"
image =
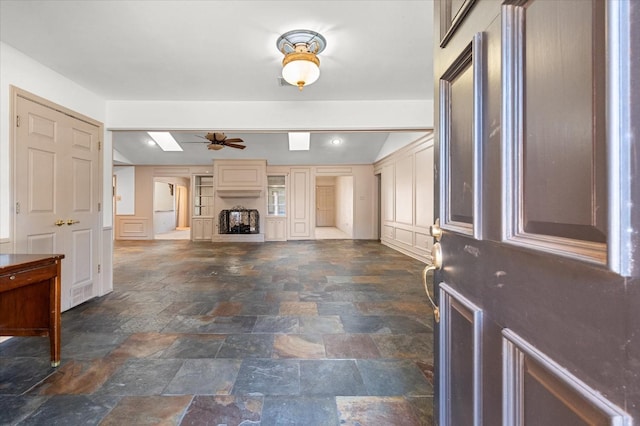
{"points": [[165, 141], [299, 141]]}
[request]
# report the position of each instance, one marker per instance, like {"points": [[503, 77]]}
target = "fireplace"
{"points": [[239, 220]]}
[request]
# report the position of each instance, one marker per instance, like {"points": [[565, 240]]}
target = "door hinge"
{"points": [[17, 208], [99, 145], [98, 268], [17, 121], [99, 207]]}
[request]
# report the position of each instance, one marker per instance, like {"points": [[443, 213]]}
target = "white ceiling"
{"points": [[226, 51]]}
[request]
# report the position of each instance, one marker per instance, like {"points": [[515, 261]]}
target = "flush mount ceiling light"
{"points": [[301, 66]]}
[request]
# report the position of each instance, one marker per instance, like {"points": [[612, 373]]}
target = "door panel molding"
{"points": [[578, 228], [459, 213], [527, 371], [619, 129], [453, 304]]}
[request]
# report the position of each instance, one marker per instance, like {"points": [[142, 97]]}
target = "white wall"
{"points": [[125, 189], [23, 72]]}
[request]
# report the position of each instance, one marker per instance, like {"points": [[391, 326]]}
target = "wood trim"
{"points": [[520, 358]]}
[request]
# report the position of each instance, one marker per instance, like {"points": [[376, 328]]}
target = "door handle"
{"points": [[71, 222], [436, 231], [436, 263], [59, 222]]}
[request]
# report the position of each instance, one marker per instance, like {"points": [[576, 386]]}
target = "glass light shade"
{"points": [[301, 69]]}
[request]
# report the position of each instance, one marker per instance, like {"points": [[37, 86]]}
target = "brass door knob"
{"points": [[59, 222], [71, 222]]}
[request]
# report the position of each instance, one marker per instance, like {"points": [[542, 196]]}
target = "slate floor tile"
{"points": [[147, 410], [268, 377], [141, 377], [67, 410], [306, 346], [247, 346], [223, 410], [194, 346], [358, 411], [276, 324], [393, 377], [321, 325], [330, 377], [17, 375], [304, 410], [350, 346], [15, 408], [204, 377]]}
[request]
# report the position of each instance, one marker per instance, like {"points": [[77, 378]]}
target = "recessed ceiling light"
{"points": [[165, 141], [335, 141]]}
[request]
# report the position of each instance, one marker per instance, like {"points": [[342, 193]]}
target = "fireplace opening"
{"points": [[239, 220]]}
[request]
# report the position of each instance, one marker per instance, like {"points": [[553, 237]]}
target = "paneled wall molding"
{"points": [[406, 205]]}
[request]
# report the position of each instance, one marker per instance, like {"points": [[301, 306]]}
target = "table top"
{"points": [[13, 261]]}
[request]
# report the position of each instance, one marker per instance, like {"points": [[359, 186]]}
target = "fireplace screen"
{"points": [[239, 221]]}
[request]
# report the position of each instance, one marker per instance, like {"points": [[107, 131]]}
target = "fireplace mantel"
{"points": [[239, 193]]}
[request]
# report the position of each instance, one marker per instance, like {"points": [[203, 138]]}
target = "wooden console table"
{"points": [[30, 297]]}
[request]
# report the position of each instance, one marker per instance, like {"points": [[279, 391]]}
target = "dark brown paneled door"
{"points": [[538, 190]]}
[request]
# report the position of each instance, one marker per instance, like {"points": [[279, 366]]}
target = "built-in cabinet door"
{"points": [[276, 229], [534, 187], [58, 180], [201, 229]]}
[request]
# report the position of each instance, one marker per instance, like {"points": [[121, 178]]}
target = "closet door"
{"points": [[58, 181]]}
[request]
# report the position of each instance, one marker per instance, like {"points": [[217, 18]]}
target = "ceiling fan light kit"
{"points": [[301, 66]]}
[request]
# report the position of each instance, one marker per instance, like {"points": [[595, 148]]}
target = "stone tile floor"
{"points": [[297, 333]]}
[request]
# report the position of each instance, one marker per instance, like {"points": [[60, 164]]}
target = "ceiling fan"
{"points": [[218, 140]]}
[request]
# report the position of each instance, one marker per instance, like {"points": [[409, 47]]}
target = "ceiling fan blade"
{"points": [[233, 145], [204, 137], [215, 146], [234, 140]]}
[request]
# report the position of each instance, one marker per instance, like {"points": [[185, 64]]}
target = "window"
{"points": [[277, 195]]}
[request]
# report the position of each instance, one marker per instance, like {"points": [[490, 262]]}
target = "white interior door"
{"points": [[57, 174]]}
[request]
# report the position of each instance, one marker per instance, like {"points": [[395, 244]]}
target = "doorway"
{"points": [[171, 208], [334, 207]]}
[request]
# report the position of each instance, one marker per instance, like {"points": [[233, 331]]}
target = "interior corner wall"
{"points": [[406, 207]]}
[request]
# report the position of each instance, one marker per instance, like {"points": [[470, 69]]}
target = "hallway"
{"points": [[295, 333]]}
